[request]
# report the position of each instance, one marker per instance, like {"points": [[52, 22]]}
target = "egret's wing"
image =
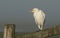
{"points": [[43, 14]]}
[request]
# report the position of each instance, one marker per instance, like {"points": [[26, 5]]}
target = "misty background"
{"points": [[17, 12]]}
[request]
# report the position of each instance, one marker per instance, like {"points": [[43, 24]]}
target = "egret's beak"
{"points": [[30, 11]]}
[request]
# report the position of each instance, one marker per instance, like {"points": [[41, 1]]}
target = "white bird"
{"points": [[39, 17]]}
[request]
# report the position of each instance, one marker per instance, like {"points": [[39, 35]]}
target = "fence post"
{"points": [[9, 31]]}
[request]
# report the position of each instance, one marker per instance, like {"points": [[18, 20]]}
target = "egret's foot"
{"points": [[38, 30]]}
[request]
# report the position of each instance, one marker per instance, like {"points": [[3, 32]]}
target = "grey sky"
{"points": [[16, 11]]}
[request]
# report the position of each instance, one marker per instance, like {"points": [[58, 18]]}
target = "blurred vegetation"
{"points": [[1, 35]]}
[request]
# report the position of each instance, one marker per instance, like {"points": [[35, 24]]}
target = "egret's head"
{"points": [[34, 10]]}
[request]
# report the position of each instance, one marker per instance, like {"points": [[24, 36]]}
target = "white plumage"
{"points": [[39, 17]]}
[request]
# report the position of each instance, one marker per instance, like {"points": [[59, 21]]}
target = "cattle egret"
{"points": [[39, 17]]}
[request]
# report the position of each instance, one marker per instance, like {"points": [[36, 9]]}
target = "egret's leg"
{"points": [[40, 27]]}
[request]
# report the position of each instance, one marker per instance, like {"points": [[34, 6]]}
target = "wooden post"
{"points": [[43, 34], [9, 31]]}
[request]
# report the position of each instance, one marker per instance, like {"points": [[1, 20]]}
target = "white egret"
{"points": [[39, 17]]}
